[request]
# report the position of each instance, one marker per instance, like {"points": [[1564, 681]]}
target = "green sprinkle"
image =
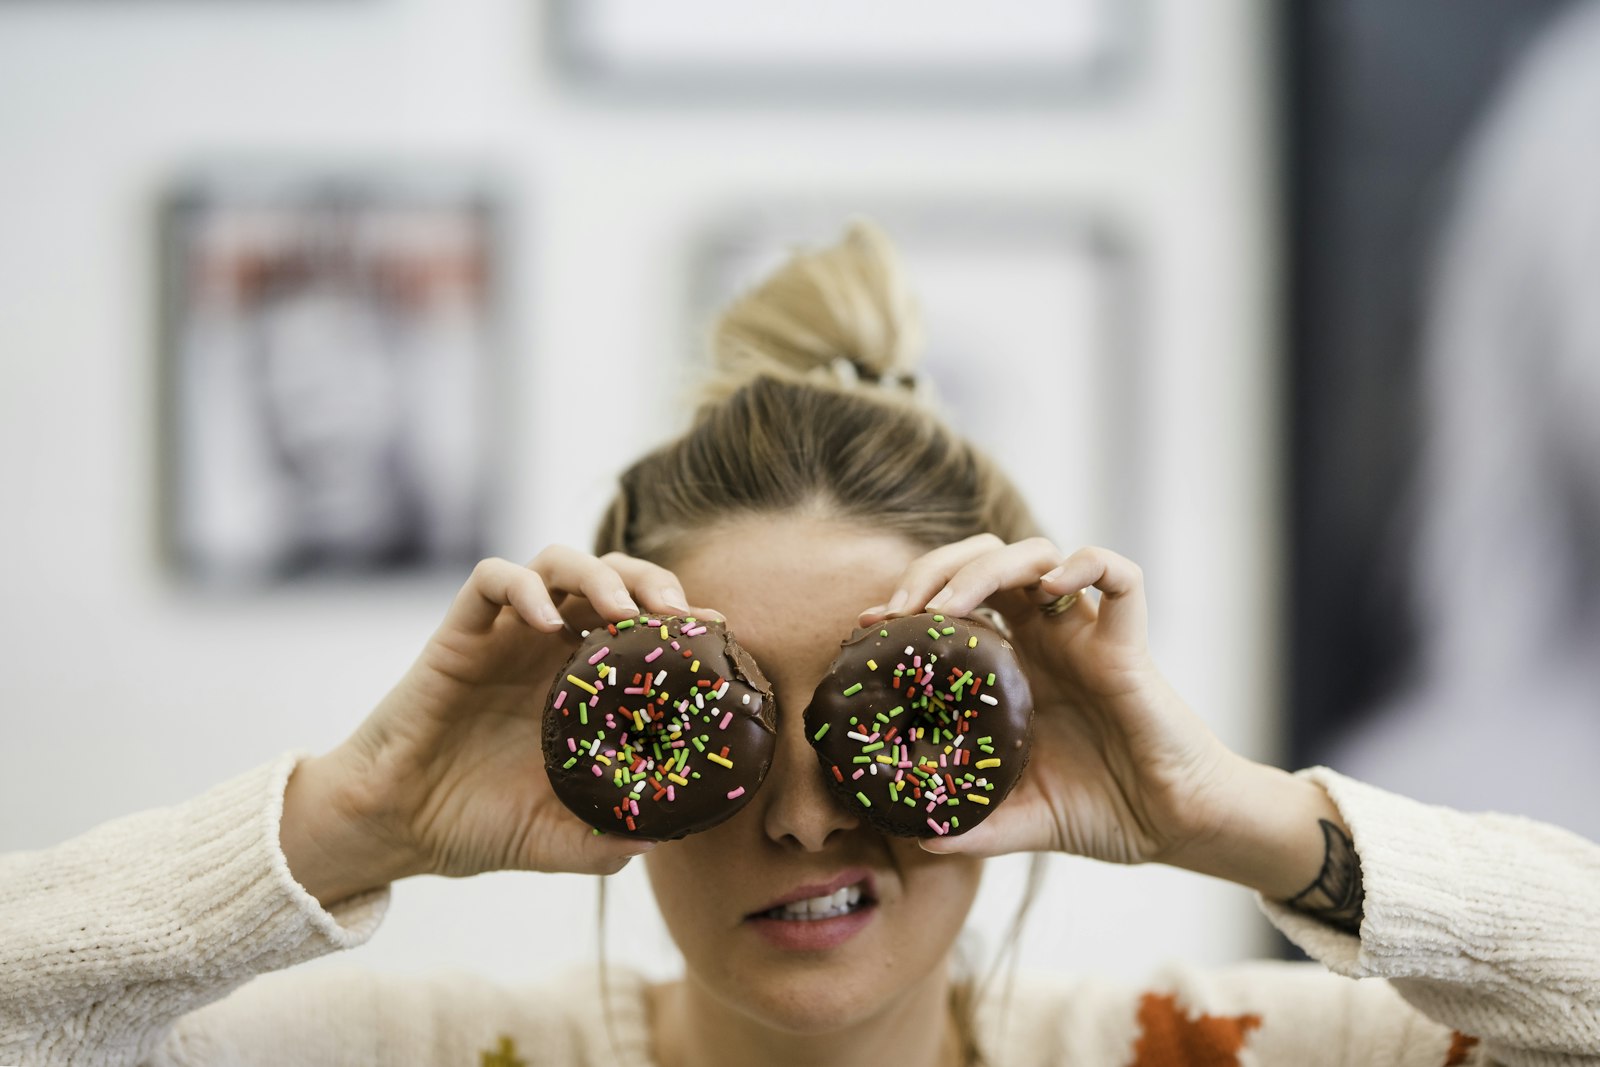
{"points": [[872, 747], [624, 624], [952, 802], [938, 618], [818, 735], [865, 803], [860, 759], [583, 714], [853, 690], [933, 633], [883, 633], [986, 740], [955, 820], [895, 711], [948, 630], [569, 763], [701, 745], [598, 831], [989, 680]]}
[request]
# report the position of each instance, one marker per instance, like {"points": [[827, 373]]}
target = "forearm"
{"points": [[110, 937], [1283, 837]]}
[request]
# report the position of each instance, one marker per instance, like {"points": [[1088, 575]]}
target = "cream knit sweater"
{"points": [[148, 941]]}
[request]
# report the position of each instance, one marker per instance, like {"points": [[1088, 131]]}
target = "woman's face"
{"points": [[791, 589]]}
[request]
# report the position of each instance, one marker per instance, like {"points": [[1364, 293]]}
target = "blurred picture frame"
{"points": [[1015, 291], [835, 51], [329, 349]]}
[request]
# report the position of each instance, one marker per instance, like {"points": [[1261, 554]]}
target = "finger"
{"points": [[928, 573], [496, 584], [1121, 611], [655, 587], [566, 570], [1013, 567], [985, 839]]}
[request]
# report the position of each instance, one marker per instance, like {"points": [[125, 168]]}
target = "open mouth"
{"points": [[849, 899]]}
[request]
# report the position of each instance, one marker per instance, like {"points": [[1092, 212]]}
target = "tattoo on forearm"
{"points": [[1336, 896]]}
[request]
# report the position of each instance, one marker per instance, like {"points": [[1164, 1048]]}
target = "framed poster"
{"points": [[1028, 310], [328, 351], [934, 51]]}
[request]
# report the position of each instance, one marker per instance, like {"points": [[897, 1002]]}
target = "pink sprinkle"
{"points": [[670, 794], [634, 691], [633, 806], [561, 698], [653, 623], [936, 828], [594, 701], [654, 653], [595, 767], [726, 719], [736, 794], [676, 645], [696, 632], [859, 772], [598, 656], [572, 744]]}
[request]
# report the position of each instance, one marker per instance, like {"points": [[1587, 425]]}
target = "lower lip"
{"points": [[812, 935]]}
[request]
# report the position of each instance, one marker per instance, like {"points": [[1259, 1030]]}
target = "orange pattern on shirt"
{"points": [[1460, 1045], [1169, 1037]]}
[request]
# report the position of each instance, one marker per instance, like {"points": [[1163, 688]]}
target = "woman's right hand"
{"points": [[446, 776]]}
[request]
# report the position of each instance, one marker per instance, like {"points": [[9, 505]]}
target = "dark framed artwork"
{"points": [[905, 51], [1028, 308], [1445, 520], [329, 351]]}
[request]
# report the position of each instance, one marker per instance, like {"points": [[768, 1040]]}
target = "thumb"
{"points": [[985, 839]]}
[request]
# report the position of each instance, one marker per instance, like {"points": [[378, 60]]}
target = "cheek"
{"points": [[937, 888]]}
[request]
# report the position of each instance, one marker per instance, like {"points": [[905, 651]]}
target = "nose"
{"points": [[800, 812]]}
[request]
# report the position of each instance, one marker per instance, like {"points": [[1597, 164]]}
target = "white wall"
{"points": [[122, 692]]}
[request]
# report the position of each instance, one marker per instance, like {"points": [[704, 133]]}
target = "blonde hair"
{"points": [[815, 406]]}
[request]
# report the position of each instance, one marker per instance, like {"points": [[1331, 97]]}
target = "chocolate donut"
{"points": [[658, 726], [922, 724]]}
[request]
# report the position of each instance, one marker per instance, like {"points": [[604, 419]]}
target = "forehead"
{"points": [[791, 587]]}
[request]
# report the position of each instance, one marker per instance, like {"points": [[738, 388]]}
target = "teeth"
{"points": [[831, 906]]}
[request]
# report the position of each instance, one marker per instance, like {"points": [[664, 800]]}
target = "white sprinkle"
{"points": [[858, 737], [746, 699], [987, 699]]}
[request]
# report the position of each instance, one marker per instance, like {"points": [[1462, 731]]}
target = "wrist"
{"points": [[1265, 831], [334, 849]]}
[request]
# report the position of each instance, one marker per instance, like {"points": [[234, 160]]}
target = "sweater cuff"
{"points": [[1444, 890]]}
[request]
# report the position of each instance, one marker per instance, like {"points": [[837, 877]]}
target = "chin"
{"points": [[817, 1002]]}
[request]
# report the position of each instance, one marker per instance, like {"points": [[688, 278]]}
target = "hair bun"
{"points": [[842, 313]]}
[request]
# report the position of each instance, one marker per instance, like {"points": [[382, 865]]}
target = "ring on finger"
{"points": [[1059, 605]]}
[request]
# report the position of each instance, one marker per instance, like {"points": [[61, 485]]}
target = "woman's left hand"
{"points": [[1122, 770]]}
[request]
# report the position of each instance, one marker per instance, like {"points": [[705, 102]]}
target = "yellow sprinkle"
{"points": [[714, 758], [638, 721], [872, 664], [663, 631], [972, 642], [885, 759], [985, 764], [602, 759], [581, 684], [976, 798], [678, 778], [695, 666]]}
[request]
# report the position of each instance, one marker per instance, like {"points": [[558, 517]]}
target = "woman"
{"points": [[799, 505]]}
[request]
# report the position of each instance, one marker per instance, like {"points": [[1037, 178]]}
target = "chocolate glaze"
{"points": [[922, 729], [675, 755]]}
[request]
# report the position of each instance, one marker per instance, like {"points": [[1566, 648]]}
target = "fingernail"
{"points": [[939, 600], [1051, 576], [631, 606], [674, 600], [898, 601], [552, 618], [876, 609]]}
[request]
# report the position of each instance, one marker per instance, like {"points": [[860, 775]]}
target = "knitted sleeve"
{"points": [[1488, 924], [107, 939]]}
